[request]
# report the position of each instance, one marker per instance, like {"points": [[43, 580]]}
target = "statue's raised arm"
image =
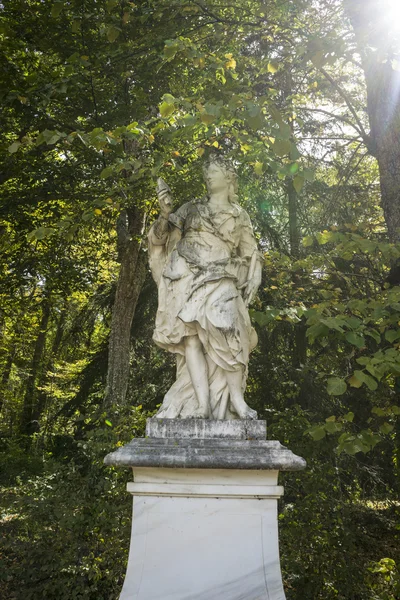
{"points": [[161, 233], [205, 261], [159, 230]]}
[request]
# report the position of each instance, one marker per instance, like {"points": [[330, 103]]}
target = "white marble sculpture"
{"points": [[207, 267]]}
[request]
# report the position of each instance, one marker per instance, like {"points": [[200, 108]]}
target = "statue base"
{"points": [[205, 511]]}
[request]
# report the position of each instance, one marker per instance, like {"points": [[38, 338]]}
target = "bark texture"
{"points": [[42, 396], [132, 274], [294, 233], [6, 376], [26, 426], [383, 92]]}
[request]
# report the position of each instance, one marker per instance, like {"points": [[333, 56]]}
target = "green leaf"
{"points": [[112, 33], [56, 9], [253, 109], [380, 412], [258, 168], [166, 109], [336, 386], [285, 131], [324, 237], [211, 112], [255, 123], [335, 323], [355, 382], [53, 139], [308, 241], [168, 98], [106, 172], [189, 120], [206, 118], [48, 136], [355, 447], [369, 438], [220, 75], [318, 330], [14, 147], [363, 360], [43, 232], [298, 183], [111, 4], [317, 433], [386, 428], [376, 371], [294, 153], [349, 417], [362, 443], [170, 49], [332, 427], [107, 422], [281, 147], [273, 66], [392, 335], [355, 339], [275, 113], [369, 381], [374, 334]]}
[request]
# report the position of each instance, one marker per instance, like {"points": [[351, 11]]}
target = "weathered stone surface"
{"points": [[205, 261], [206, 429], [209, 535], [206, 454]]}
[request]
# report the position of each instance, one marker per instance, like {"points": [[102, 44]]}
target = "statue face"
{"points": [[216, 179]]}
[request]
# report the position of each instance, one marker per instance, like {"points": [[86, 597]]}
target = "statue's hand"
{"points": [[164, 198]]}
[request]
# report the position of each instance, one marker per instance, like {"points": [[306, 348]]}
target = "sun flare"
{"points": [[389, 14]]}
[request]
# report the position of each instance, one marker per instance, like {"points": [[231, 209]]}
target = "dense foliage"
{"points": [[98, 98]]}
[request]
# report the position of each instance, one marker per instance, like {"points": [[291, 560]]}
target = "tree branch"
{"points": [[361, 130], [338, 117]]}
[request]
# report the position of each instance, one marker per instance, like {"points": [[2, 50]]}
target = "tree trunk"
{"points": [[299, 349], [42, 395], [26, 426], [294, 233], [6, 376], [130, 281], [383, 85], [294, 236], [385, 114]]}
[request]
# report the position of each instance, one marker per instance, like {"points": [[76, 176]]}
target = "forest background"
{"points": [[98, 99]]}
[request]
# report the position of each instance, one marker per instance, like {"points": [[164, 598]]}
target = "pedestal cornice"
{"points": [[206, 454]]}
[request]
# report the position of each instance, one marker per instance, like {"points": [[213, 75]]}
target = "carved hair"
{"points": [[229, 172]]}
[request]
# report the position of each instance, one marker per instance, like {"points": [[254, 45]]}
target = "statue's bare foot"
{"points": [[202, 412], [247, 413]]}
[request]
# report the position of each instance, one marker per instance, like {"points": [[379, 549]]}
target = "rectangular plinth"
{"points": [[203, 535], [206, 429]]}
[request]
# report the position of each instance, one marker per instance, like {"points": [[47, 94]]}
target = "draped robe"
{"points": [[199, 267]]}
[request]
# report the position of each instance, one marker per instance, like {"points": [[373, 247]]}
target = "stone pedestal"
{"points": [[205, 511]]}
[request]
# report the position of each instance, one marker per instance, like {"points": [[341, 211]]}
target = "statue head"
{"points": [[219, 174]]}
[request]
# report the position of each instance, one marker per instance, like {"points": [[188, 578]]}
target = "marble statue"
{"points": [[205, 261]]}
